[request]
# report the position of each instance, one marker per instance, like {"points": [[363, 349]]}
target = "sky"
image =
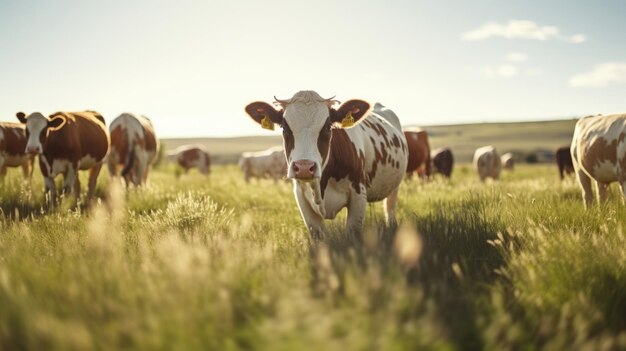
{"points": [[192, 66]]}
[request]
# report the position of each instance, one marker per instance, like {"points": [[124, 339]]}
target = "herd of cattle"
{"points": [[339, 158]]}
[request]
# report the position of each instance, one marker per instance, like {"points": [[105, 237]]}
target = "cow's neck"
{"points": [[344, 162]]}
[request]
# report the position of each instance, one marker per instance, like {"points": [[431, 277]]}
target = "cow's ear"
{"points": [[349, 113], [21, 116], [57, 122], [264, 114]]}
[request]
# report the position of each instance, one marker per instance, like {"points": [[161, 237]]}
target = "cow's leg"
{"points": [[313, 221], [585, 185], [390, 208], [356, 214], [93, 180], [622, 185], [70, 180], [140, 170], [27, 169], [50, 191], [602, 191]]}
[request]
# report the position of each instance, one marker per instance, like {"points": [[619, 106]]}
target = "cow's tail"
{"points": [[130, 157]]}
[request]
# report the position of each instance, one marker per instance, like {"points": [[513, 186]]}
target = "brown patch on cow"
{"points": [[419, 152], [119, 142], [323, 140], [14, 142], [288, 139], [343, 161], [187, 158], [82, 135], [599, 151]]}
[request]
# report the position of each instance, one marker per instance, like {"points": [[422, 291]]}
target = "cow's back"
{"points": [[598, 147], [379, 154]]}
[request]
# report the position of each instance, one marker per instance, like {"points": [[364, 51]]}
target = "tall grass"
{"points": [[196, 263]]}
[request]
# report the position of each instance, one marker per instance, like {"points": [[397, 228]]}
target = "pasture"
{"points": [[196, 263]]}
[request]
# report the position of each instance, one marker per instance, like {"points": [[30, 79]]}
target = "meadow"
{"points": [[197, 263]]}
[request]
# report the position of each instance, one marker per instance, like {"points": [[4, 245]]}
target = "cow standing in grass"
{"points": [[443, 161], [508, 161], [564, 161], [487, 163], [344, 157], [13, 149], [192, 156], [134, 147], [419, 153], [267, 163], [599, 154], [67, 142]]}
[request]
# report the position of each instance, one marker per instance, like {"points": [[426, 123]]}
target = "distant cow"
{"points": [[268, 163], [338, 158], [443, 161], [487, 163], [13, 149], [599, 154], [193, 156], [133, 147], [564, 161], [419, 153], [507, 161], [67, 142]]}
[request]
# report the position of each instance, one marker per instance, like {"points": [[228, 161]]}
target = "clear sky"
{"points": [[192, 66]]}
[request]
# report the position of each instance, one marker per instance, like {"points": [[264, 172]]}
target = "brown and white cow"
{"points": [[599, 154], [507, 161], [67, 142], [192, 156], [419, 152], [564, 161], [487, 163], [443, 161], [267, 163], [12, 149], [344, 157], [133, 147]]}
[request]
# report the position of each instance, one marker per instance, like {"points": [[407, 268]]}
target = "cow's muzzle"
{"points": [[33, 150], [304, 169]]}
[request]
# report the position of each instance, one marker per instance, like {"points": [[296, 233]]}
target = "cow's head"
{"points": [[307, 120], [37, 128]]}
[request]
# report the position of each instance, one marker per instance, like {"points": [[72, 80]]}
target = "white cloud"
{"points": [[520, 29], [502, 71], [601, 75], [516, 57]]}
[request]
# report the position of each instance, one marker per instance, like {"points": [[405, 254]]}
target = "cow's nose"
{"points": [[304, 169], [33, 150]]}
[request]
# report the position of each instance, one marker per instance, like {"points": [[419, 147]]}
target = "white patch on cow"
{"points": [[336, 197], [306, 114], [35, 124], [87, 162], [604, 171], [59, 166]]}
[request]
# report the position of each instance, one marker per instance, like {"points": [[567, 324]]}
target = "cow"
{"points": [[487, 163], [339, 157], [419, 153], [598, 153], [268, 163], [67, 142], [192, 156], [13, 149], [508, 162], [443, 161], [564, 161], [133, 147]]}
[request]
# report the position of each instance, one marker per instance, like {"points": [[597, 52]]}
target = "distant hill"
{"points": [[521, 138]]}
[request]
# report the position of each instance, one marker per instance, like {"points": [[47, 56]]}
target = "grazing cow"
{"points": [[443, 161], [13, 149], [193, 156], [487, 163], [508, 162], [338, 158], [268, 163], [67, 142], [419, 153], [599, 154], [133, 146], [564, 161]]}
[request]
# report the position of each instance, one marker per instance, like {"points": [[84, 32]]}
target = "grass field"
{"points": [[196, 263], [521, 138]]}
